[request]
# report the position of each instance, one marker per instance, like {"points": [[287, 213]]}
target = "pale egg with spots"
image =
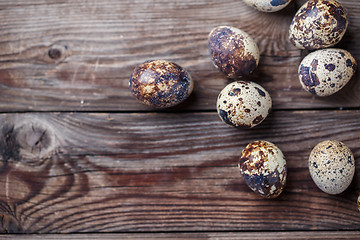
{"points": [[325, 72], [243, 104], [332, 166], [268, 5]]}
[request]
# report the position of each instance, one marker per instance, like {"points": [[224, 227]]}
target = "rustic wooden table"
{"points": [[80, 155]]}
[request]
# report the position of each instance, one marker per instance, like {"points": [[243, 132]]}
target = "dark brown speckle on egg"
{"points": [[160, 83]]}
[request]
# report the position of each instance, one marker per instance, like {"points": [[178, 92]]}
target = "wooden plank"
{"points": [[204, 235], [61, 55], [83, 172]]}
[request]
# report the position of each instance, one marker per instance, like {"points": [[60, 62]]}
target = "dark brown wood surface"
{"points": [[80, 154], [90, 172], [94, 46]]}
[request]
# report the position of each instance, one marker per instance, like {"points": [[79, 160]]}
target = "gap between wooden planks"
{"points": [[91, 172]]}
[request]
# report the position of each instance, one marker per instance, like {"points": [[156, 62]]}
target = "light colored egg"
{"points": [[318, 24], [268, 5], [332, 166], [233, 51], [263, 168], [243, 104], [326, 71], [161, 84]]}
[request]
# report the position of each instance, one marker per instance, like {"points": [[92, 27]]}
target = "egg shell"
{"points": [[243, 104], [263, 168], [324, 72], [160, 83], [318, 24], [332, 166], [233, 51], [268, 5]]}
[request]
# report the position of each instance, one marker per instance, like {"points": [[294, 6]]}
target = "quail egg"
{"points": [[326, 71], [268, 5], [263, 168], [243, 104], [318, 24], [332, 166], [160, 83], [233, 51]]}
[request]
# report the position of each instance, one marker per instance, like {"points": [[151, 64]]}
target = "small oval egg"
{"points": [[263, 168], [324, 72], [160, 83], [233, 51], [268, 5], [243, 104], [332, 166], [318, 24]]}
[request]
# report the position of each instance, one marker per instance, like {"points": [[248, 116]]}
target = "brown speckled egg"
{"points": [[318, 24], [243, 104], [263, 168], [326, 71], [233, 51], [332, 166], [160, 83], [268, 5]]}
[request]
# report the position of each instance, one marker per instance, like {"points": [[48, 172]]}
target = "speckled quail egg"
{"points": [[268, 5], [160, 83], [243, 104], [332, 166], [263, 168], [318, 24], [326, 71], [233, 51]]}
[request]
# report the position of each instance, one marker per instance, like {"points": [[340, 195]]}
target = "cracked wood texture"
{"points": [[79, 154]]}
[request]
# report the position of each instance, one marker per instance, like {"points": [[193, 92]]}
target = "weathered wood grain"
{"points": [[206, 235], [157, 172], [62, 55], [85, 172]]}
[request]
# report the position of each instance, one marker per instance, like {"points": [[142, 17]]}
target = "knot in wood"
{"points": [[8, 144], [57, 52], [36, 140], [9, 224], [54, 53], [28, 139], [33, 138]]}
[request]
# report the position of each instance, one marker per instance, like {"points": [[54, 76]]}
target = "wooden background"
{"points": [[80, 155]]}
